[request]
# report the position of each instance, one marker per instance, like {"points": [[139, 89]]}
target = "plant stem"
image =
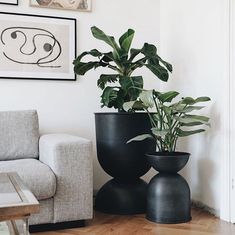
{"points": [[153, 124], [114, 68]]}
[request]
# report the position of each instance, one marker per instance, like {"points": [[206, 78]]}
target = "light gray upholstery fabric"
{"points": [[19, 135], [37, 176], [70, 159], [46, 214]]}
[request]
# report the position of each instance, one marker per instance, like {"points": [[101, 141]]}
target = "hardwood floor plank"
{"points": [[202, 224]]}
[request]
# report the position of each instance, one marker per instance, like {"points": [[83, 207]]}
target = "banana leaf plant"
{"points": [[170, 121], [122, 60]]}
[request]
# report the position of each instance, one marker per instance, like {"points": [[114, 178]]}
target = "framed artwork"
{"points": [[37, 47], [79, 5], [9, 2]]}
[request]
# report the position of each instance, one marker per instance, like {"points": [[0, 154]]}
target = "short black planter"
{"points": [[168, 197], [125, 193]]}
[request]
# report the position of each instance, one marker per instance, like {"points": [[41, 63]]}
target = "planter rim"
{"points": [[168, 155]]}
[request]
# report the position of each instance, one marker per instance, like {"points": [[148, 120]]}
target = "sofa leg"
{"points": [[57, 226]]}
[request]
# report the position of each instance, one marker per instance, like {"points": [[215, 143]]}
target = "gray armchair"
{"points": [[57, 168]]}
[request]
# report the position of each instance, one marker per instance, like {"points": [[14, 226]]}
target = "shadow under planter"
{"points": [[168, 197], [126, 192]]}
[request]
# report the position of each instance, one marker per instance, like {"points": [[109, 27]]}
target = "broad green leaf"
{"points": [[147, 98], [149, 50], [99, 34], [135, 90], [78, 59], [166, 64], [81, 68], [137, 81], [126, 83], [159, 71], [108, 57], [109, 95], [133, 105], [153, 61], [128, 105], [132, 86], [182, 133], [187, 120], [123, 56], [188, 101], [134, 53], [105, 78], [138, 105], [140, 138], [168, 96], [116, 56], [178, 107], [126, 40], [93, 52], [194, 124], [198, 117], [159, 133], [187, 109], [119, 101], [138, 64], [131, 82], [202, 99]]}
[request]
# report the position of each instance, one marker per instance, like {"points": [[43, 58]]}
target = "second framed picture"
{"points": [[9, 2], [37, 47], [78, 5]]}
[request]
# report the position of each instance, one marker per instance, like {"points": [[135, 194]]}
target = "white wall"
{"points": [[193, 38], [69, 106]]}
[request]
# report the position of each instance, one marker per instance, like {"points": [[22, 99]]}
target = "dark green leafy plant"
{"points": [[123, 61], [170, 121]]}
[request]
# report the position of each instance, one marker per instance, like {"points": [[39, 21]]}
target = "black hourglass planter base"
{"points": [[120, 198], [168, 199]]}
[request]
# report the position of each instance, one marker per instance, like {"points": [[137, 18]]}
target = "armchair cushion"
{"points": [[70, 159], [19, 135], [37, 176]]}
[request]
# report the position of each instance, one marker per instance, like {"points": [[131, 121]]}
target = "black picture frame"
{"points": [[55, 29], [7, 3]]}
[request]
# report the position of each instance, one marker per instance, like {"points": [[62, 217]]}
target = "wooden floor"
{"points": [[201, 224]]}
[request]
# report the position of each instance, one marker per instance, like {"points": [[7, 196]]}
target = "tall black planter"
{"points": [[125, 193], [168, 197]]}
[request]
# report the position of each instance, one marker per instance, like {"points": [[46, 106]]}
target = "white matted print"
{"points": [[79, 5], [9, 2], [37, 47]]}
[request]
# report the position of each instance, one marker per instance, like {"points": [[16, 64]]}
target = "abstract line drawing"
{"points": [[31, 38], [37, 47], [80, 5]]}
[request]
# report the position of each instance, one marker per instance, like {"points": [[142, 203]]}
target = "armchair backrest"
{"points": [[19, 134]]}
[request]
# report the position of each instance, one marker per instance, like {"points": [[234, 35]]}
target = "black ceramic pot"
{"points": [[124, 162], [168, 197]]}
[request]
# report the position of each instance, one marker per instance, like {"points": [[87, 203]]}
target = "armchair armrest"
{"points": [[70, 159]]}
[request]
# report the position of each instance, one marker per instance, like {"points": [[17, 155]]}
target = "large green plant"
{"points": [[171, 120], [123, 61]]}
